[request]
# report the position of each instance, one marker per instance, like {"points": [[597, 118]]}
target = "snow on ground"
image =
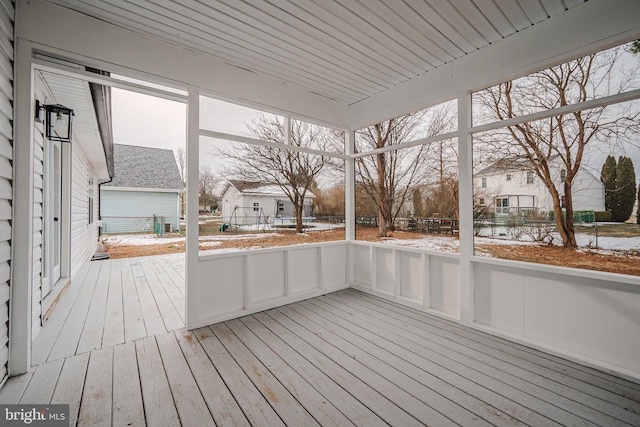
{"points": [[429, 242], [152, 239], [504, 235], [139, 240]]}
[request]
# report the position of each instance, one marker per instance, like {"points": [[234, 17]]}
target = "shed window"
{"points": [[280, 206], [256, 206], [508, 177]]}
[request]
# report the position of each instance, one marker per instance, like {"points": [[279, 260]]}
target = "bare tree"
{"points": [[207, 181], [294, 172], [181, 159], [561, 139], [390, 178]]}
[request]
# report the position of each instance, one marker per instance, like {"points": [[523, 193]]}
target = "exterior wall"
{"points": [[38, 228], [588, 192], [230, 199], [6, 177], [130, 211], [81, 237], [269, 204], [84, 235]]}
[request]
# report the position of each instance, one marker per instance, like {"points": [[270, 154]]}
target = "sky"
{"points": [[150, 121]]}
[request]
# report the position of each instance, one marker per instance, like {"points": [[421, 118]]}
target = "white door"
{"points": [[52, 220]]}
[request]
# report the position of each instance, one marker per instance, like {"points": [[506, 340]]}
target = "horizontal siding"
{"points": [[6, 175], [130, 211], [38, 238], [84, 236]]}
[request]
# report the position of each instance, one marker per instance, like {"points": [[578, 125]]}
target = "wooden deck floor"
{"points": [[115, 350]]}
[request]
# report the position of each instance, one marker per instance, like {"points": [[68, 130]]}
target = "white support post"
{"points": [[287, 130], [465, 167], [350, 201], [22, 226], [193, 166], [350, 186]]}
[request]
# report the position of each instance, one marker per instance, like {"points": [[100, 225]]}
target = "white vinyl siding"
{"points": [[130, 211], [38, 229], [6, 175], [84, 236]]}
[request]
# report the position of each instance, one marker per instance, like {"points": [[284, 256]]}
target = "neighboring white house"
{"points": [[512, 187], [252, 202], [146, 183]]}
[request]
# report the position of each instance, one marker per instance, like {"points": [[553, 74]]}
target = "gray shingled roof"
{"points": [[144, 167]]}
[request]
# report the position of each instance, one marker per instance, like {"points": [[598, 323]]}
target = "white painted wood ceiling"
{"points": [[345, 50]]}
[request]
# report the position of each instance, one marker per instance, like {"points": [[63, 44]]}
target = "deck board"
{"points": [[600, 406], [318, 406], [128, 408], [44, 342], [134, 325], [447, 383], [97, 396], [159, 406], [346, 358], [41, 385], [67, 342], [114, 315], [222, 405], [189, 402], [253, 403], [70, 384]]}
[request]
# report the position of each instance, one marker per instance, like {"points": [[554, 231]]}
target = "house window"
{"points": [[562, 202], [280, 206], [508, 177], [481, 202], [256, 206], [484, 182], [502, 202], [530, 177], [563, 175]]}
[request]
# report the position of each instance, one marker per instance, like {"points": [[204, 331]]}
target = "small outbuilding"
{"points": [[247, 203], [144, 191]]}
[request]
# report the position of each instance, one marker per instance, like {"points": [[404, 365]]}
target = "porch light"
{"points": [[57, 123]]}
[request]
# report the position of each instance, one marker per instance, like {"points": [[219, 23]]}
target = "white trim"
{"points": [[567, 109], [87, 76], [22, 217], [395, 147], [465, 207], [193, 206], [148, 190], [254, 141]]}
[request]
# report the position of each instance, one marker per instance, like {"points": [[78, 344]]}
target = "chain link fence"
{"points": [[157, 224], [589, 234]]}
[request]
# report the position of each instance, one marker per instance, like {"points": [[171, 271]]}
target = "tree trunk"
{"points": [[569, 235], [298, 219]]}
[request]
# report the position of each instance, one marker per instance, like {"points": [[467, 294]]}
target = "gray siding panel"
{"points": [[133, 211], [6, 174]]}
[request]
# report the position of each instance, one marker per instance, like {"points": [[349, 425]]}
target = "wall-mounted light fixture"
{"points": [[57, 121]]}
